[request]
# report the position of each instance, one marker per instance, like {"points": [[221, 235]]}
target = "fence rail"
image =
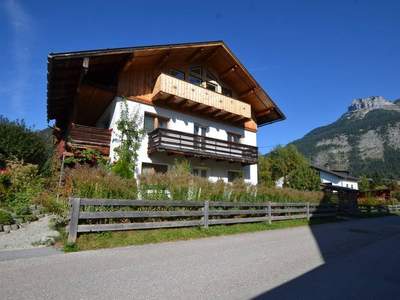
{"points": [[158, 214]]}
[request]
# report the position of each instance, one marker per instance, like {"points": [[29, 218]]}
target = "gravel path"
{"points": [[23, 238], [347, 260]]}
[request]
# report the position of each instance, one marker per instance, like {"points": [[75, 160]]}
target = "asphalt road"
{"points": [[353, 259]]}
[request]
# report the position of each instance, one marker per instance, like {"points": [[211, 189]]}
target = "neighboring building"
{"points": [[197, 101], [337, 178]]}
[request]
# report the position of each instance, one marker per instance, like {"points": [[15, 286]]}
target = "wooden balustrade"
{"points": [[182, 143]]}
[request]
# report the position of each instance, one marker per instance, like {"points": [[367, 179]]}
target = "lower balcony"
{"points": [[82, 137], [191, 145]]}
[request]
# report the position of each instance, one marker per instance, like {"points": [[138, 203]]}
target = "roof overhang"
{"points": [[65, 72]]}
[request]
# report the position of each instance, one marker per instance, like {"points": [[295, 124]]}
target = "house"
{"points": [[338, 178], [196, 100]]}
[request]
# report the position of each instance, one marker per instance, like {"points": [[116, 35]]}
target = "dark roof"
{"points": [[64, 71], [340, 174]]}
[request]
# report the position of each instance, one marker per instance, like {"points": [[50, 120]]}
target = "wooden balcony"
{"points": [[186, 144], [86, 137], [182, 95]]}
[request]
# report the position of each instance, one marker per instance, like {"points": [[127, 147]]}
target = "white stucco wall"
{"points": [[335, 180], [185, 123]]}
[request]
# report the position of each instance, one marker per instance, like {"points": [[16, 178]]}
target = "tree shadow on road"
{"points": [[361, 260]]}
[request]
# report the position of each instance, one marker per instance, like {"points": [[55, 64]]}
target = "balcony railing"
{"points": [[173, 90], [182, 143], [87, 137]]}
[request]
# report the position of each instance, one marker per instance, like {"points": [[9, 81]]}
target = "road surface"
{"points": [[352, 259]]}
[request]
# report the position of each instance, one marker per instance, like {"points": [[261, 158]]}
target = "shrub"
{"points": [[396, 195], [304, 178], [89, 182], [5, 218], [24, 184], [50, 204]]}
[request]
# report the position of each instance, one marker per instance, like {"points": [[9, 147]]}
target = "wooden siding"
{"points": [[168, 85], [86, 137]]}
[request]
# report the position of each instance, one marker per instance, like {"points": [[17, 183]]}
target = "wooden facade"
{"points": [[168, 88], [82, 84], [86, 137]]}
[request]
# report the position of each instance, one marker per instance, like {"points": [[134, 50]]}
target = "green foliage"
{"points": [[130, 135], [284, 160], [364, 184], [289, 164], [18, 141], [396, 195], [304, 178], [98, 183], [91, 157], [5, 218], [22, 185], [264, 171]]}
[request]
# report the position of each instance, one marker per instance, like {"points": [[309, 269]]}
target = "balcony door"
{"points": [[200, 134]]}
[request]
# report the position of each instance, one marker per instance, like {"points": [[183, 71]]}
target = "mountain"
{"points": [[364, 140]]}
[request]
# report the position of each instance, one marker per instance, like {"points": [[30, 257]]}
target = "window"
{"points": [[201, 172], [195, 74], [152, 121], [151, 169], [232, 175], [177, 74], [227, 92], [234, 137]]}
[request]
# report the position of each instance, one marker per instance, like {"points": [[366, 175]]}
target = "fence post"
{"points": [[308, 211], [269, 211], [205, 213], [73, 221]]}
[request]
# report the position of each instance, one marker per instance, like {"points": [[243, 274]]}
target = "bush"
{"points": [[50, 203], [23, 184], [5, 218], [396, 195], [89, 182]]}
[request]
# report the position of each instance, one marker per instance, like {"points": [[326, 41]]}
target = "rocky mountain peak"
{"points": [[362, 106], [370, 103]]}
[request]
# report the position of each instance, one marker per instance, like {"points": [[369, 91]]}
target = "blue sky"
{"points": [[312, 57]]}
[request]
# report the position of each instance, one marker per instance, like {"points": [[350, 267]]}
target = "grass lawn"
{"points": [[90, 241]]}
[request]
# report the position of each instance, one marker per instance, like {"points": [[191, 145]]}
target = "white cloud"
{"points": [[22, 27]]}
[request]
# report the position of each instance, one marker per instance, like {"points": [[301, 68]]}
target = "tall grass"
{"points": [[176, 184], [87, 182], [181, 186]]}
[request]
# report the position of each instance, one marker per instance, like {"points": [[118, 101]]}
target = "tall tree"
{"points": [[288, 163], [18, 141]]}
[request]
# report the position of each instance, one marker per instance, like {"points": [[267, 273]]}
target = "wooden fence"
{"points": [[100, 214], [395, 208]]}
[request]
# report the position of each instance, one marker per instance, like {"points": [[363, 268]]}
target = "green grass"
{"points": [[91, 241]]}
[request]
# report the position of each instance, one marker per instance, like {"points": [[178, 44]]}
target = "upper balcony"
{"points": [[185, 96], [191, 145]]}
